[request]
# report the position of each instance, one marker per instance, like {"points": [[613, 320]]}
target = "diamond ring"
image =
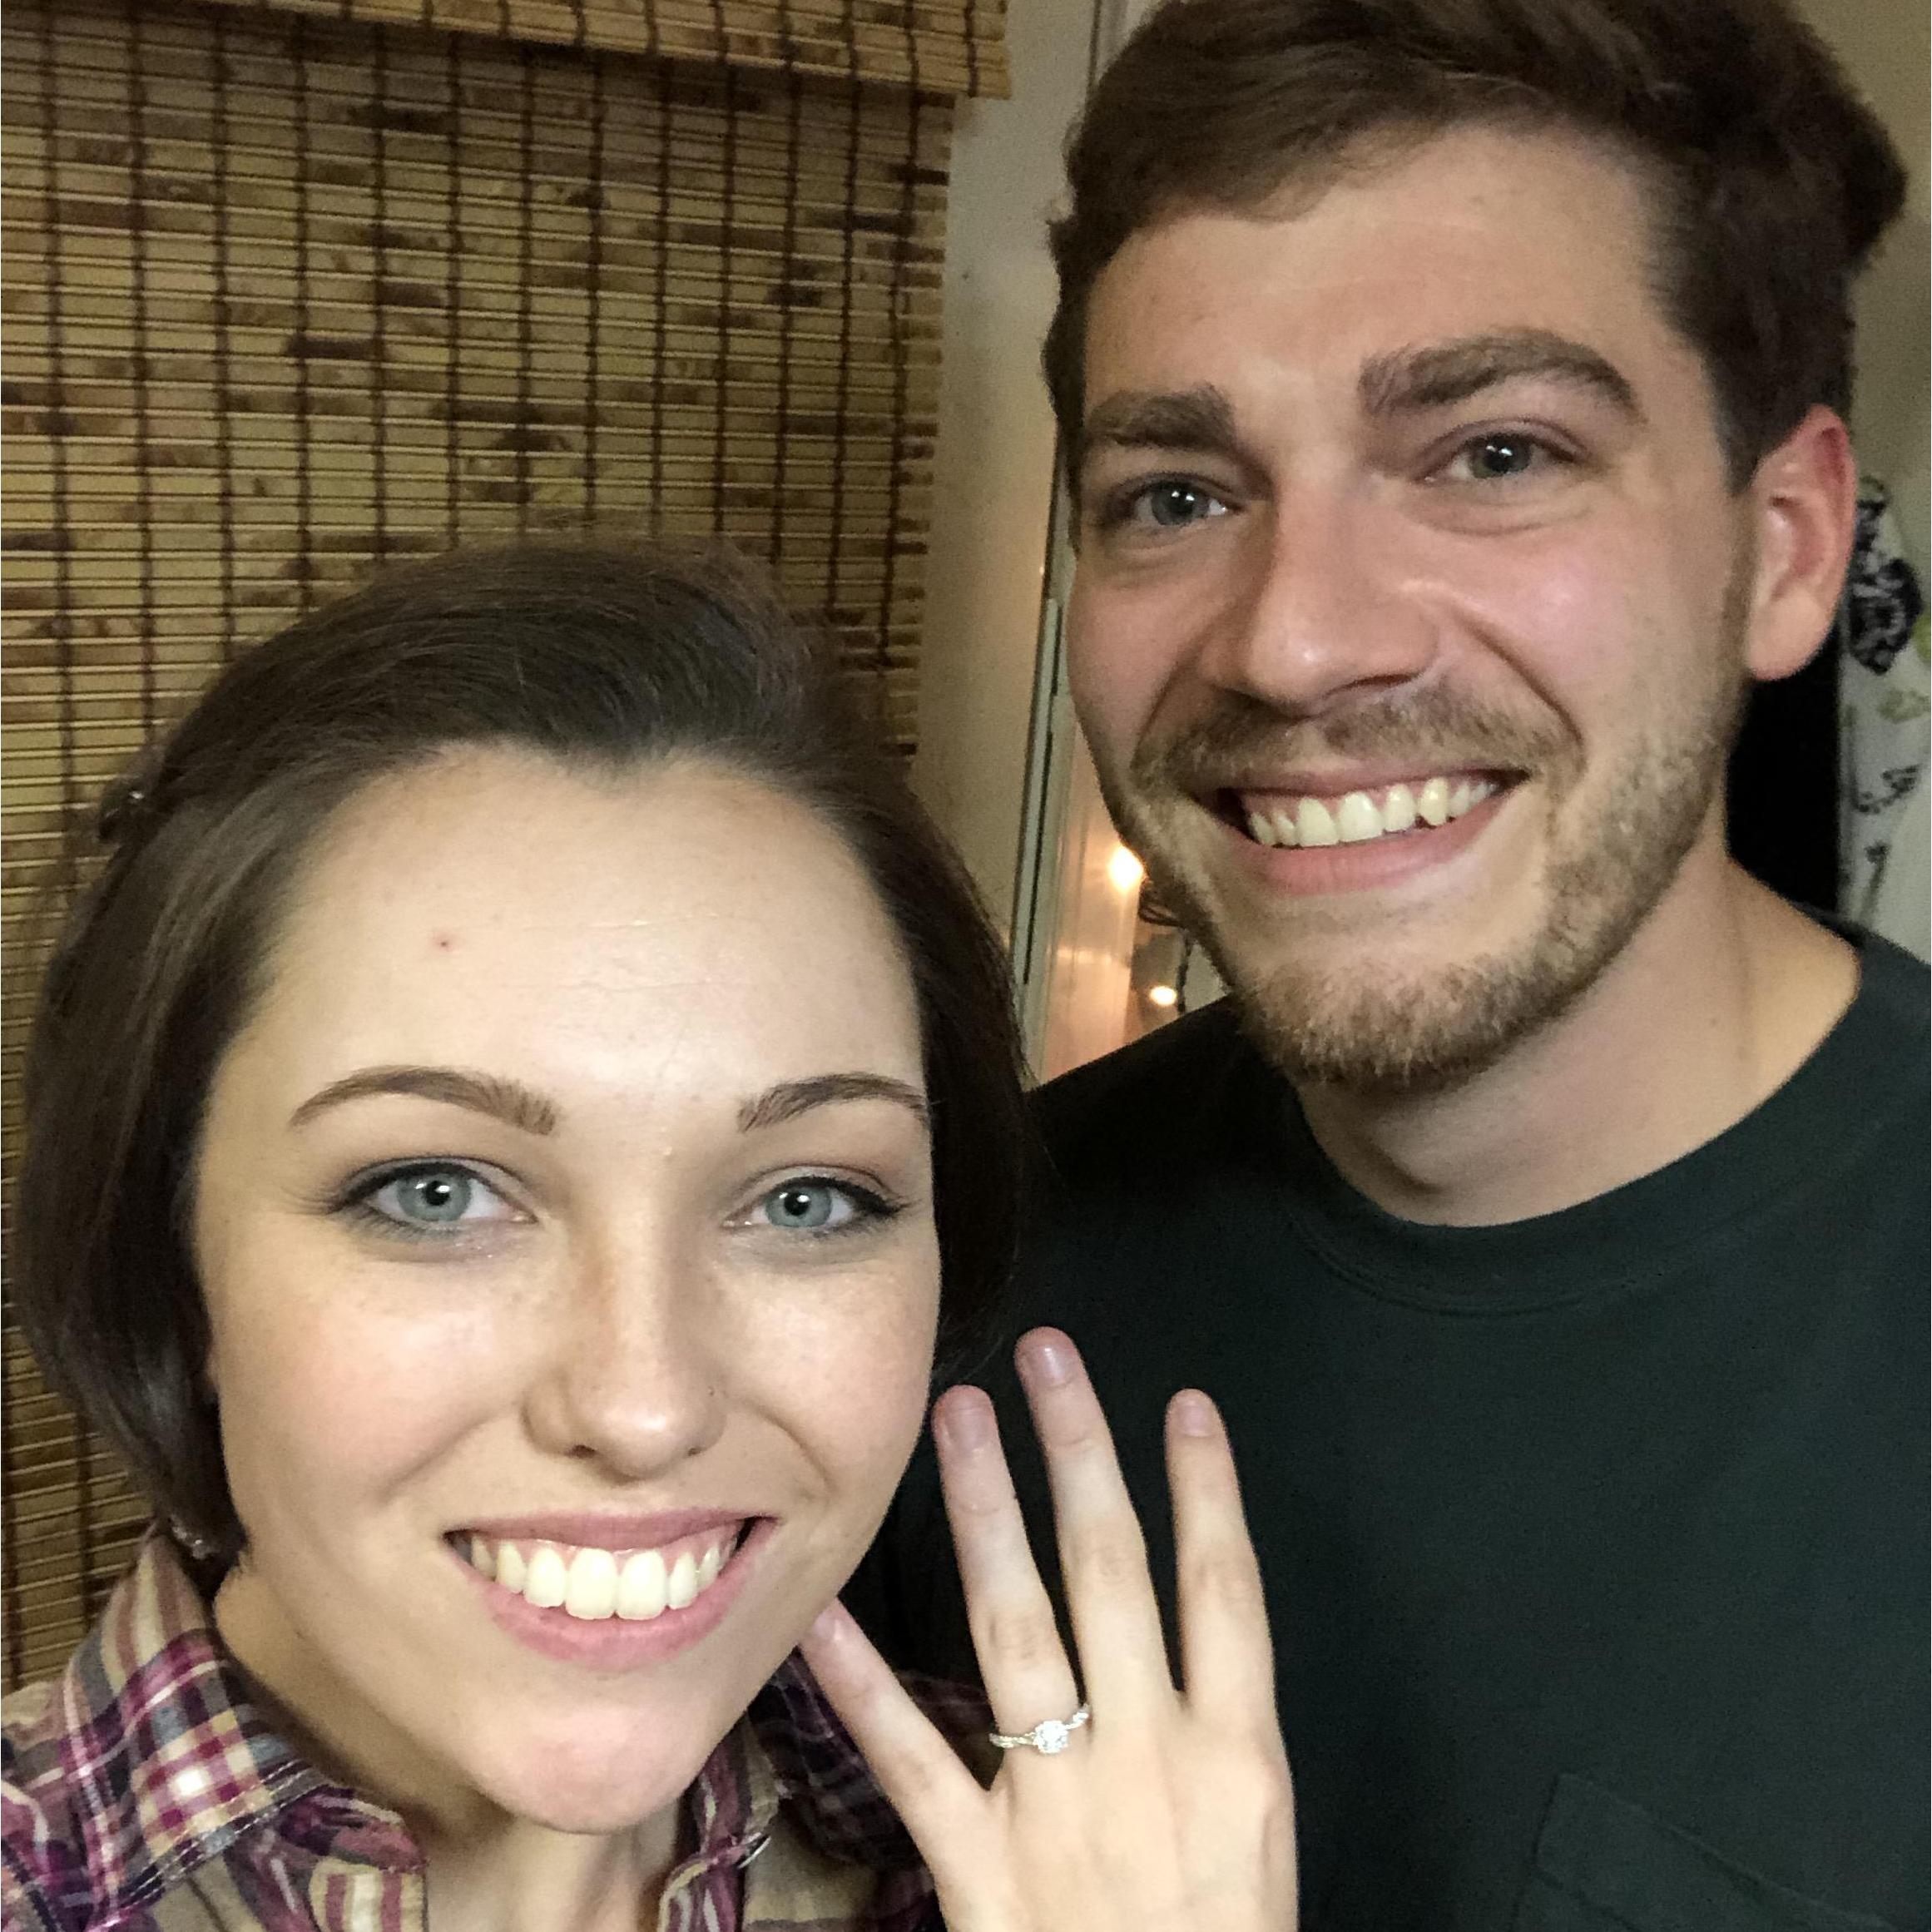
{"points": [[1049, 1737]]}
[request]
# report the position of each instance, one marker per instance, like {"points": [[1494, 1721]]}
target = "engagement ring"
{"points": [[1048, 1737]]}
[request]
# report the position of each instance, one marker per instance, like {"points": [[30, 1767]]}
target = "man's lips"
{"points": [[1336, 778], [1354, 807], [1361, 841]]}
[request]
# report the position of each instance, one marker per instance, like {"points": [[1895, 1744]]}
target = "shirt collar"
{"points": [[167, 1760]]}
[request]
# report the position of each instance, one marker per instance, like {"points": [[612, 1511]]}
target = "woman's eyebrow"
{"points": [[791, 1097], [509, 1101]]}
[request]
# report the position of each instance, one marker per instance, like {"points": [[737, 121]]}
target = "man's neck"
{"points": [[1718, 999]]}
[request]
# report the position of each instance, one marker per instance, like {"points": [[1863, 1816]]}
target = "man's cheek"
{"points": [[1117, 667]]}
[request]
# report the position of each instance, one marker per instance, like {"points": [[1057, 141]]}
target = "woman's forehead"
{"points": [[498, 908]]}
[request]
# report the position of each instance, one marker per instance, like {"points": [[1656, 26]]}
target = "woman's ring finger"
{"points": [[1050, 1736]]}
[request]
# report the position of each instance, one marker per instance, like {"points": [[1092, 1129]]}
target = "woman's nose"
{"points": [[633, 1378]]}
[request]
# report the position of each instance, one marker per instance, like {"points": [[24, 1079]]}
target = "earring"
{"points": [[191, 1540]]}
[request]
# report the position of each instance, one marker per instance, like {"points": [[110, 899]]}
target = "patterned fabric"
{"points": [[144, 1793], [1884, 701]]}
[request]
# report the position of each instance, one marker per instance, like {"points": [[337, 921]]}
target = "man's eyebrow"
{"points": [[1197, 419], [509, 1101], [791, 1097], [1451, 372]]}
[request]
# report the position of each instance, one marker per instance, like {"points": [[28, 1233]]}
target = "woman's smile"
{"points": [[637, 1594]]}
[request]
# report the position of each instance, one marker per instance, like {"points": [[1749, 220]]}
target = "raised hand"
{"points": [[1169, 1811]]}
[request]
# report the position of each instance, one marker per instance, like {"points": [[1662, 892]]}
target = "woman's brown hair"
{"points": [[600, 658]]}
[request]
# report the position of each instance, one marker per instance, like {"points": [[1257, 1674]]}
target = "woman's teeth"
{"points": [[1360, 815], [592, 1584]]}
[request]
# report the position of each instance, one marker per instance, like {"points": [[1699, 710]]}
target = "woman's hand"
{"points": [[1171, 1810]]}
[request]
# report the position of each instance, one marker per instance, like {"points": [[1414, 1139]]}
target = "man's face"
{"points": [[1409, 626]]}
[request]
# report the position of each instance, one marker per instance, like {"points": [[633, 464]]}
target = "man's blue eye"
{"points": [[1497, 456], [1171, 505]]}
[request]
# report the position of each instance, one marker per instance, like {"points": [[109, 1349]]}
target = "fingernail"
{"points": [[963, 1420], [829, 1623], [1194, 1414], [1048, 1360]]}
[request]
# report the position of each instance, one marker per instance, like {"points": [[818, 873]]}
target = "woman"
{"points": [[495, 1127]]}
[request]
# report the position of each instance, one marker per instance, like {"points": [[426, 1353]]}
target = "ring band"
{"points": [[1049, 1737]]}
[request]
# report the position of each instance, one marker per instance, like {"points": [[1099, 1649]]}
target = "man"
{"points": [[1453, 394]]}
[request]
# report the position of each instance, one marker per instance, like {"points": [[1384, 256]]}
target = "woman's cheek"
{"points": [[854, 1371]]}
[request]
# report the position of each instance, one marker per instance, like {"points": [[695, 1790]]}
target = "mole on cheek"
{"points": [[442, 942]]}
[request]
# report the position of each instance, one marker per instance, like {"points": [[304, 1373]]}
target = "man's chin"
{"points": [[1401, 1037], [1391, 996], [1340, 993]]}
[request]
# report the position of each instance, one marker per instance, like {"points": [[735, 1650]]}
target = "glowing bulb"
{"points": [[1125, 870], [1162, 995]]}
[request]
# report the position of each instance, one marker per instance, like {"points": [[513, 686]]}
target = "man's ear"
{"points": [[1804, 501]]}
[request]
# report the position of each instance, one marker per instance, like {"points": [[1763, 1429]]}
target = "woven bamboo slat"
{"points": [[286, 292], [949, 49]]}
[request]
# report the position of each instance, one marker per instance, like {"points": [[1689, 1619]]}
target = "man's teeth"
{"points": [[1356, 816], [593, 1584]]}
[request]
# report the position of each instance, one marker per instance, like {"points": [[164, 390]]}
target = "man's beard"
{"points": [[1344, 1026]]}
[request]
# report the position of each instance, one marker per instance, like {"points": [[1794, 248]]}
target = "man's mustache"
{"points": [[1437, 729]]}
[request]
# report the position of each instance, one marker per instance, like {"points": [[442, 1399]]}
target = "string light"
{"points": [[1125, 870], [1162, 995]]}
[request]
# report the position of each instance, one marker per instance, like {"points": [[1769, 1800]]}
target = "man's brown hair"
{"points": [[1769, 181]]}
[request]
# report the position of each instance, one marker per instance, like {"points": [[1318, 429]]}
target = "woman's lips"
{"points": [[554, 1599]]}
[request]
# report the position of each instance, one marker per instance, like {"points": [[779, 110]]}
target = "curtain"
{"points": [[291, 291]]}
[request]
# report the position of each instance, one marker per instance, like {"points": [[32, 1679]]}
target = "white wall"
{"points": [[993, 466], [1886, 47]]}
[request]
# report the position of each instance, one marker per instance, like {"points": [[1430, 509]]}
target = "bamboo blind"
{"points": [[284, 297], [956, 48]]}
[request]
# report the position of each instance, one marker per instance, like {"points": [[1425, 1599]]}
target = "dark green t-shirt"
{"points": [[1595, 1544]]}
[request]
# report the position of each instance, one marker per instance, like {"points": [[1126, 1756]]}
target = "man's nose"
{"points": [[1320, 610], [634, 1376]]}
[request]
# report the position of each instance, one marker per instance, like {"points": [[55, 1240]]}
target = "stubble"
{"points": [[1354, 1026]]}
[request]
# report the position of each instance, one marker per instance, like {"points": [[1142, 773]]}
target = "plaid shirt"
{"points": [[143, 1793]]}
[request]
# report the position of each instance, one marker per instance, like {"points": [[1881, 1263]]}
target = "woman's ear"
{"points": [[1804, 500]]}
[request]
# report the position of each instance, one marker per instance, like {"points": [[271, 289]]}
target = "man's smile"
{"points": [[1359, 815]]}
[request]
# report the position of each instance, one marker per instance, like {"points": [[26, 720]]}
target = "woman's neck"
{"points": [[525, 1877]]}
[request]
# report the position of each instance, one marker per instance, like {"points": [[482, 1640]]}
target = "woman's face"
{"points": [[563, 1211]]}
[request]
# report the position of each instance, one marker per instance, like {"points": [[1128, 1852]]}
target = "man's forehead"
{"points": [[1480, 251]]}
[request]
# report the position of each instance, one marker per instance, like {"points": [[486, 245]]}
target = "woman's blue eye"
{"points": [[430, 1197], [808, 1206], [434, 1198]]}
